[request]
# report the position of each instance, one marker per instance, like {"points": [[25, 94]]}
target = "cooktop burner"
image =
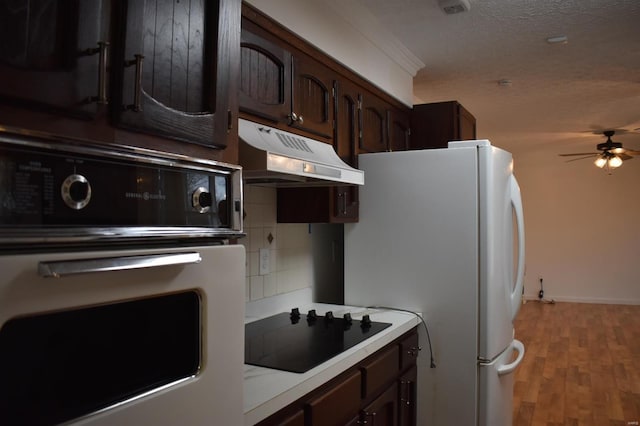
{"points": [[297, 343]]}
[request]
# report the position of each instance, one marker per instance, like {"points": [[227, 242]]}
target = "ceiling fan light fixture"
{"points": [[601, 161], [614, 162]]}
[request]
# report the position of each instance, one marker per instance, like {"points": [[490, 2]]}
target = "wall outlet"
{"points": [[265, 267]]}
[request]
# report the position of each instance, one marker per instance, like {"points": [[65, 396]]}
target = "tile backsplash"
{"points": [[286, 248]]}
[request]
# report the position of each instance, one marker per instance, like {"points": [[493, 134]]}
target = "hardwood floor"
{"points": [[581, 365]]}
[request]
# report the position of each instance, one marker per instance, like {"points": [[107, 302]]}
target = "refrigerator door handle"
{"points": [[509, 368], [516, 202]]}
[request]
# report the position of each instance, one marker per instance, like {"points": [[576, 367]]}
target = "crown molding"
{"points": [[360, 18]]}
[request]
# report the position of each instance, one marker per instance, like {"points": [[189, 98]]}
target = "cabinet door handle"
{"points": [[295, 118], [413, 351], [342, 200], [406, 396], [137, 89], [365, 416], [102, 50]]}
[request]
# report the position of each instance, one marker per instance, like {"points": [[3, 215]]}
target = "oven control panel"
{"points": [[54, 186]]}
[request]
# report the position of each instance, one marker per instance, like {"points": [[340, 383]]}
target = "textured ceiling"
{"points": [[559, 93]]}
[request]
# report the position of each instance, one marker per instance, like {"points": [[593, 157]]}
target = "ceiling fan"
{"points": [[611, 154]]}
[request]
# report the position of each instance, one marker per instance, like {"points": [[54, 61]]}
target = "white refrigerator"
{"points": [[441, 232]]}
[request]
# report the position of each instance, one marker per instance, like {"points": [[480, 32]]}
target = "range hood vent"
{"points": [[272, 157]]}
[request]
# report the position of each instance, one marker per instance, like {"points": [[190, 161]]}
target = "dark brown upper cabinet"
{"points": [[53, 55], [166, 68], [289, 84], [373, 124], [287, 89], [434, 125], [265, 77], [174, 69], [345, 204], [312, 97], [399, 130]]}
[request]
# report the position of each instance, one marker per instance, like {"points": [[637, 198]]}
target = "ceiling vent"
{"points": [[451, 7]]}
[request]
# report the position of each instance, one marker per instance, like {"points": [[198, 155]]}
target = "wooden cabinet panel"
{"points": [[171, 66], [265, 77], [383, 411], [312, 99], [338, 405], [409, 351], [380, 371], [373, 124], [345, 141], [50, 55], [434, 125], [347, 120], [291, 90], [407, 390], [317, 204], [399, 130], [76, 59]]}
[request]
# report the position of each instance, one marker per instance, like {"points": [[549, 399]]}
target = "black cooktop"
{"points": [[298, 342]]}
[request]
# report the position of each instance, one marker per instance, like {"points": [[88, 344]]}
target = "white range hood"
{"points": [[272, 157]]}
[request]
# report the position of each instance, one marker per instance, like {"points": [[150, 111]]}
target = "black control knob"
{"points": [[365, 322], [312, 316], [201, 200], [76, 191], [295, 314], [328, 317], [347, 318]]}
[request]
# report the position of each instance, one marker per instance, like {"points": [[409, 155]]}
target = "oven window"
{"points": [[60, 366]]}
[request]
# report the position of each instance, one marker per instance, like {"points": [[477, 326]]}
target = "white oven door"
{"points": [[150, 336]]}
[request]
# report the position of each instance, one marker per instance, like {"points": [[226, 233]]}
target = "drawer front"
{"points": [[380, 371], [409, 350], [338, 405]]}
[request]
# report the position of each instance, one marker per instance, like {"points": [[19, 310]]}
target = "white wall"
{"points": [[582, 225], [318, 23]]}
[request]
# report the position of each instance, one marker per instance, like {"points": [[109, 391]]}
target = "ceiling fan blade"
{"points": [[631, 152], [625, 157], [578, 153], [581, 158]]}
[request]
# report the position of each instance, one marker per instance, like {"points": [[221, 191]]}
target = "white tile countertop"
{"points": [[266, 390]]}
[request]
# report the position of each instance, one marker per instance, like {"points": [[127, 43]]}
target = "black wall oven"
{"points": [[121, 300]]}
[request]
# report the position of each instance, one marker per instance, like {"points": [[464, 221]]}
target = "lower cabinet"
{"points": [[379, 391]]}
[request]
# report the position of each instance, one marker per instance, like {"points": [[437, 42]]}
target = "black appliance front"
{"points": [[60, 366], [299, 343], [63, 190]]}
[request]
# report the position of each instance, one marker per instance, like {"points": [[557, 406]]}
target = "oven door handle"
{"points": [[61, 268]]}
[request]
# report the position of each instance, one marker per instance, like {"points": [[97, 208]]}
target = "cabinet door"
{"points": [[50, 54], [295, 419], [345, 142], [466, 124], [265, 77], [312, 100], [407, 397], [380, 371], [409, 351], [338, 405], [172, 64], [434, 125], [383, 411], [373, 124], [399, 130]]}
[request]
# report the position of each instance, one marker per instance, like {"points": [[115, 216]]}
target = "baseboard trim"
{"points": [[600, 301]]}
